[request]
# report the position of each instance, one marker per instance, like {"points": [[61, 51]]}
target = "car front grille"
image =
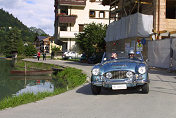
{"points": [[117, 74]]}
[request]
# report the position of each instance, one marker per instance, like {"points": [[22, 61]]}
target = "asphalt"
{"points": [[80, 103]]}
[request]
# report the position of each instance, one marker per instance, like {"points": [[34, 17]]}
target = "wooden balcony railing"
{"points": [[73, 2], [67, 18]]}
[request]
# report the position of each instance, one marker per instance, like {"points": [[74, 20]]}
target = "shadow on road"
{"points": [[86, 90], [162, 72]]}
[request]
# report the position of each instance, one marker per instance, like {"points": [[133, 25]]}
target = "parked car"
{"points": [[35, 56], [120, 73], [71, 55]]}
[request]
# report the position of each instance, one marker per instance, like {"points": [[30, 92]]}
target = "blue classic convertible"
{"points": [[120, 70]]}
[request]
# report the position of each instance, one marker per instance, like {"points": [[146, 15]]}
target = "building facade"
{"points": [[72, 15], [163, 11]]}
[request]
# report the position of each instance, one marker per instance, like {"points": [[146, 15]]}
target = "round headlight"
{"points": [[142, 70], [108, 75], [95, 71], [129, 74]]}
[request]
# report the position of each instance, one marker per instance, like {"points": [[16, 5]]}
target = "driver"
{"points": [[131, 54], [114, 56]]}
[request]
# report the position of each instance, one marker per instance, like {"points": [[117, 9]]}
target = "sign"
{"points": [[139, 46]]}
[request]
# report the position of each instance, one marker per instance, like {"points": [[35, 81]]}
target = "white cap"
{"points": [[131, 52]]}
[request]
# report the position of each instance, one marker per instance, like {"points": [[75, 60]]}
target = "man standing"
{"points": [[44, 55]]}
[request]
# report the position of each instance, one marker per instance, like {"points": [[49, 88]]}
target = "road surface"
{"points": [[80, 103]]}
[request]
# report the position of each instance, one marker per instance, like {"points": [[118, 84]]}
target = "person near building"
{"points": [[52, 55], [38, 55], [44, 55]]}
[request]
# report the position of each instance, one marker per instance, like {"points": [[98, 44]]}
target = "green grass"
{"points": [[65, 80], [27, 98], [33, 65]]}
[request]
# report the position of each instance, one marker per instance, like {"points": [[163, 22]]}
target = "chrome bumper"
{"points": [[113, 82]]}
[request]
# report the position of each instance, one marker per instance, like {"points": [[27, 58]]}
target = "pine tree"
{"points": [[13, 42]]}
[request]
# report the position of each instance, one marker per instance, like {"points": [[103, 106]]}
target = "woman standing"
{"points": [[38, 55]]}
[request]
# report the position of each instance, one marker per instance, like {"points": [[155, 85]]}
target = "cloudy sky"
{"points": [[37, 13]]}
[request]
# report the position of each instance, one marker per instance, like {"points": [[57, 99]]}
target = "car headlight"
{"points": [[129, 74], [108, 75], [95, 71], [142, 70]]}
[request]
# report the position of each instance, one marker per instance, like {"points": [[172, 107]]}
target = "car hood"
{"points": [[120, 65]]}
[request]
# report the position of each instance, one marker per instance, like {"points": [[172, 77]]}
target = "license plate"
{"points": [[121, 86]]}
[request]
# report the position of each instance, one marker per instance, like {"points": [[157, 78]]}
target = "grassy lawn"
{"points": [[20, 65], [67, 79]]}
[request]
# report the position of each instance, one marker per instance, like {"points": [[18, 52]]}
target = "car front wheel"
{"points": [[95, 89], [145, 88], [69, 57]]}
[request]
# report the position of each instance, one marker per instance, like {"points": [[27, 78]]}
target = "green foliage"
{"points": [[30, 50], [13, 42], [34, 65], [92, 39], [26, 98], [70, 77], [56, 49]]}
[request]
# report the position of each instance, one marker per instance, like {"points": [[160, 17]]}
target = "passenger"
{"points": [[114, 56], [131, 54]]}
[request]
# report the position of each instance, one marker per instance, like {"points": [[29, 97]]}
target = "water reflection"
{"points": [[45, 86], [15, 85]]}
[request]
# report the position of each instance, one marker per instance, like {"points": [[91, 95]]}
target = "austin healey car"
{"points": [[120, 70]]}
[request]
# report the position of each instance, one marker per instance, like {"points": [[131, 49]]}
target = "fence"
{"points": [[162, 53]]}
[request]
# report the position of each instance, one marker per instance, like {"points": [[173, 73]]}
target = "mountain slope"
{"points": [[37, 30], [8, 20]]}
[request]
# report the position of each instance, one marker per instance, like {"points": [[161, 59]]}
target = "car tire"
{"points": [[145, 88], [95, 89], [69, 57]]}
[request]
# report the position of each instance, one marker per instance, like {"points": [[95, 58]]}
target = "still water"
{"points": [[16, 85]]}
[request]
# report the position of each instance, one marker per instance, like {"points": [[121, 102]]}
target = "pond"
{"points": [[15, 85]]}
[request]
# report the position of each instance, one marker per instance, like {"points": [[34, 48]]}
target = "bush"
{"points": [[30, 50], [70, 77]]}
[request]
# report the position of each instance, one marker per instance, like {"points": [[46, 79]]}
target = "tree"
{"points": [[92, 39], [13, 42], [30, 50]]}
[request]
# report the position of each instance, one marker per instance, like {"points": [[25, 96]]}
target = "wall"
{"points": [[164, 24], [83, 14]]}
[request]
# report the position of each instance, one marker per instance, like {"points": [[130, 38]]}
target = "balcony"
{"points": [[67, 18], [68, 34], [73, 2]]}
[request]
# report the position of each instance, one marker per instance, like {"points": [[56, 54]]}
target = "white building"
{"points": [[72, 15]]}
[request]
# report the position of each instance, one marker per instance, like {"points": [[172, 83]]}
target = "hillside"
{"points": [[8, 20]]}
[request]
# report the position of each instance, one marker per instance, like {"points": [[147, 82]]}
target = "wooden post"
{"points": [[25, 68]]}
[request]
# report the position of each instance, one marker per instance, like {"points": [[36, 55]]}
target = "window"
{"points": [[102, 14], [92, 14], [81, 27], [64, 10], [63, 27], [170, 9]]}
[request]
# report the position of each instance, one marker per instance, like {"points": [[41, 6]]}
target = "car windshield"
{"points": [[108, 56]]}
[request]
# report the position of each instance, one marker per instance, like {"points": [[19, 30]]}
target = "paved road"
{"points": [[80, 103]]}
